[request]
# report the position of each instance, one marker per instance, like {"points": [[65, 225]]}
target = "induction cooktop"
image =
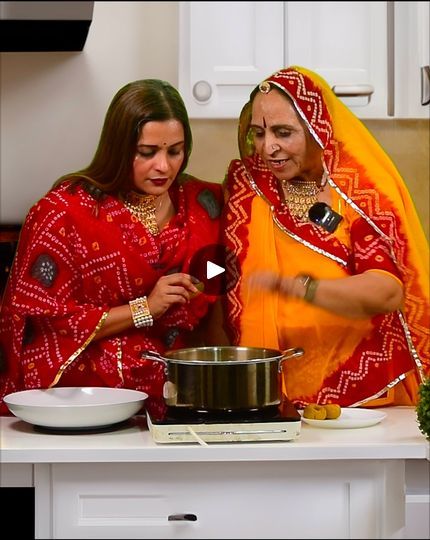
{"points": [[275, 424]]}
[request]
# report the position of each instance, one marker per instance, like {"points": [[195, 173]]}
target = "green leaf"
{"points": [[423, 408]]}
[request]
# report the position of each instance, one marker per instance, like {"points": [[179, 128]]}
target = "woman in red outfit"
{"points": [[101, 269]]}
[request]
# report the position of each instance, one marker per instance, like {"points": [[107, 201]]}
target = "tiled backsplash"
{"points": [[407, 142]]}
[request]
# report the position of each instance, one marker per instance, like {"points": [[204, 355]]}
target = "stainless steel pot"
{"points": [[218, 379]]}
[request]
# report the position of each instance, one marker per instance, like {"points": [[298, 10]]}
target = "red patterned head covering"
{"points": [[307, 100]]}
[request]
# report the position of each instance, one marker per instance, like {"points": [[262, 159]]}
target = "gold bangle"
{"points": [[140, 312], [310, 285]]}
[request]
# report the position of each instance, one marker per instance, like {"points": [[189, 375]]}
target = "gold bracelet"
{"points": [[140, 312], [310, 285]]}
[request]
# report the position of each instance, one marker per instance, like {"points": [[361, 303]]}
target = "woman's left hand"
{"points": [[172, 289]]}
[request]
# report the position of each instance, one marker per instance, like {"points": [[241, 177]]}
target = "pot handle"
{"points": [[155, 356], [290, 353]]}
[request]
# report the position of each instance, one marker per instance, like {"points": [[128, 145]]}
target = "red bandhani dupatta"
{"points": [[349, 362], [75, 260]]}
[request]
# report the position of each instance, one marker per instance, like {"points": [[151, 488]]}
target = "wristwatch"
{"points": [[310, 285]]}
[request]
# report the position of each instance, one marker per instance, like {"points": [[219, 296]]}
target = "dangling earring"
{"points": [[325, 175]]}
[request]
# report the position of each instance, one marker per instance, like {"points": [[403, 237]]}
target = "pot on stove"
{"points": [[223, 379]]}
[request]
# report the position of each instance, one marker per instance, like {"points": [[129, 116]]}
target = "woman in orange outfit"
{"points": [[329, 253]]}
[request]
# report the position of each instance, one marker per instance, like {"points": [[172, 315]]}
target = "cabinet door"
{"points": [[245, 499], [412, 71], [346, 43], [225, 49]]}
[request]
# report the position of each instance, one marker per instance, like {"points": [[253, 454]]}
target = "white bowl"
{"points": [[75, 408]]}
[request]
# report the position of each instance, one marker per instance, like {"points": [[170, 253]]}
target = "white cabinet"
{"points": [[372, 53], [412, 60], [346, 43], [326, 484], [225, 49], [417, 515], [245, 499]]}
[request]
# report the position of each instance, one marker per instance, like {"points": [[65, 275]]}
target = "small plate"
{"points": [[82, 407], [350, 417]]}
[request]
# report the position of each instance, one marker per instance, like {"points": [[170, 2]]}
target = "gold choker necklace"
{"points": [[144, 208], [300, 195]]}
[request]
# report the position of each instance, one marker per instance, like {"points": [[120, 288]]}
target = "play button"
{"points": [[212, 266], [212, 270]]}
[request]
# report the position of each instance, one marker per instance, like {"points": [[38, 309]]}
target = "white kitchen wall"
{"points": [[52, 107], [53, 104]]}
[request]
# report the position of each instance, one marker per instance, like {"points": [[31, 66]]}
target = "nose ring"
{"points": [[275, 147]]}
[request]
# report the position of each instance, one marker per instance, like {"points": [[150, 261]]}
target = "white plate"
{"points": [[75, 408], [349, 418]]}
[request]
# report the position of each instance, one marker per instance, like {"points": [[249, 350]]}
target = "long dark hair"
{"points": [[135, 104]]}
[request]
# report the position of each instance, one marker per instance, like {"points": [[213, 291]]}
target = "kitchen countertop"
{"points": [[396, 437]]}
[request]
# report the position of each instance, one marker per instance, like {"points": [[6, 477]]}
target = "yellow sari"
{"points": [[347, 361]]}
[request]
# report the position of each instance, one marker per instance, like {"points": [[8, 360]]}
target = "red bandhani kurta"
{"points": [[75, 260]]}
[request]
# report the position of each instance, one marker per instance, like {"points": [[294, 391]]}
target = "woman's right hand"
{"points": [[172, 289]]}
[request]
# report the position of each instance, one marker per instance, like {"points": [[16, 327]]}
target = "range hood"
{"points": [[44, 26]]}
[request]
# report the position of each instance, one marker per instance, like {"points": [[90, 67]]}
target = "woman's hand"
{"points": [[360, 296], [172, 289], [272, 281]]}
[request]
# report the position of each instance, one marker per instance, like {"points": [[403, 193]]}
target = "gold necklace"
{"points": [[143, 207], [300, 195]]}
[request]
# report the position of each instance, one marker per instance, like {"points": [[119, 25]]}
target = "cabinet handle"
{"points": [[202, 91], [351, 90], [182, 517], [425, 85]]}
